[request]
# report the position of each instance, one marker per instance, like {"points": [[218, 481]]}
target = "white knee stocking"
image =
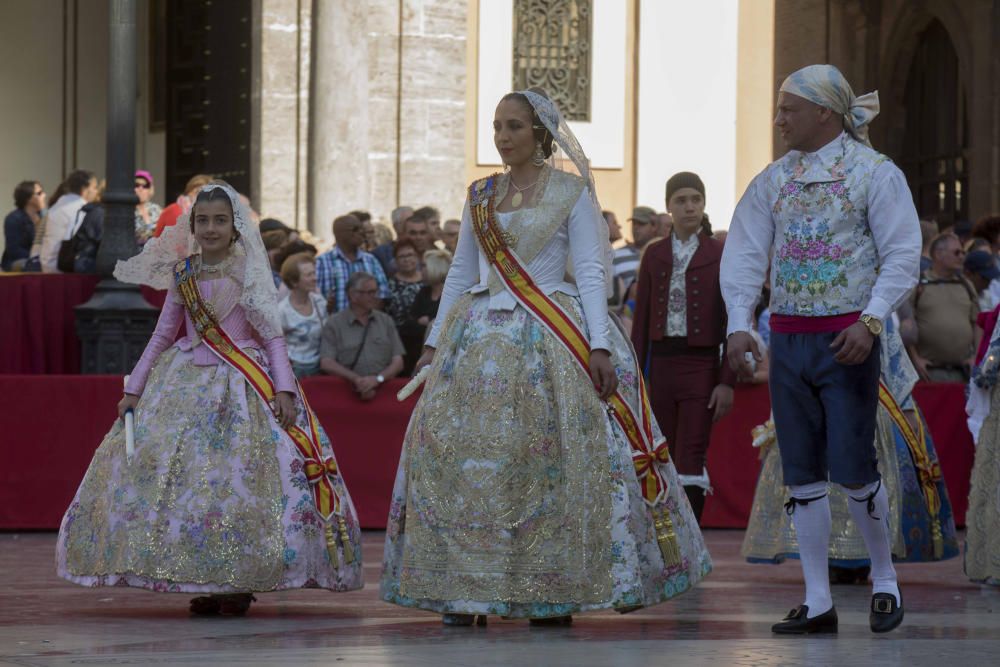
{"points": [[870, 511], [810, 509]]}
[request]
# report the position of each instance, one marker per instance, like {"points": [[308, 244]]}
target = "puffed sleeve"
{"points": [[746, 255], [163, 337], [896, 231]]}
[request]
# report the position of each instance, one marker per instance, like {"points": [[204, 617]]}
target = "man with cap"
{"points": [[981, 270], [645, 228], [679, 324], [835, 220]]}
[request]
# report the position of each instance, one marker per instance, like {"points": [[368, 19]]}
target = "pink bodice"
{"points": [[223, 295]]}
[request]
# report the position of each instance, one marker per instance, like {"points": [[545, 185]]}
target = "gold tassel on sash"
{"points": [[331, 544], [666, 537], [937, 539], [928, 470], [345, 541]]}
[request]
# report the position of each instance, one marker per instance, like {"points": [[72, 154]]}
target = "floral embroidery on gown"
{"points": [[215, 498], [770, 535], [918, 533], [516, 492], [982, 539]]}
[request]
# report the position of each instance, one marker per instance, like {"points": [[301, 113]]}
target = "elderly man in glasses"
{"points": [[945, 306], [360, 343]]}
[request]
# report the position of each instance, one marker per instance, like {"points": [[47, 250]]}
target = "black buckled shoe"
{"points": [[886, 614], [797, 623]]}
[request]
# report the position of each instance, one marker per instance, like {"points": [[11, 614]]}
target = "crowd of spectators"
{"points": [[62, 233], [959, 280], [361, 310]]}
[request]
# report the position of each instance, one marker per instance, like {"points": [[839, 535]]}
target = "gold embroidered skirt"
{"points": [[214, 499], [917, 535], [516, 493], [982, 519]]}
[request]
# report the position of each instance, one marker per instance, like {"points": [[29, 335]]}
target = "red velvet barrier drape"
{"points": [[50, 426], [38, 325]]}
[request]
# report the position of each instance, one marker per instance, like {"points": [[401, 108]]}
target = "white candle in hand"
{"points": [[129, 430], [413, 384], [129, 434]]}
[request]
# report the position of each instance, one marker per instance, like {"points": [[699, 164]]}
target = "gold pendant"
{"points": [[516, 200]]}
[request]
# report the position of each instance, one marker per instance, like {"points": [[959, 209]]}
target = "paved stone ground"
{"points": [[725, 621]]}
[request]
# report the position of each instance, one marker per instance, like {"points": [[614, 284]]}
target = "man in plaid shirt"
{"points": [[333, 268]]}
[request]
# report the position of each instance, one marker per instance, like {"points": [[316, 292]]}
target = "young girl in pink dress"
{"points": [[232, 488]]}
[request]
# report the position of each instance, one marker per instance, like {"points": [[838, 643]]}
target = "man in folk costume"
{"points": [[837, 221], [679, 324]]}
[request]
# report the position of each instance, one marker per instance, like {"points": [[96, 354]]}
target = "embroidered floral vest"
{"points": [[825, 261]]}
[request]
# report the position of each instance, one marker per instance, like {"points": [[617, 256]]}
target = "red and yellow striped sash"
{"points": [[319, 470], [928, 471]]}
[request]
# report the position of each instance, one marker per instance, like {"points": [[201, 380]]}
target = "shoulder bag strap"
{"points": [[364, 337]]}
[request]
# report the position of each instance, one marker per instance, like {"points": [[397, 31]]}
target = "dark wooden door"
{"points": [[936, 135], [208, 79]]}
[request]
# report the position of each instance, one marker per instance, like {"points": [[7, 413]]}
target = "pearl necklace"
{"points": [[216, 268]]}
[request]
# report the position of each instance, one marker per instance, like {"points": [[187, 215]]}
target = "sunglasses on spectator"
{"points": [[140, 184], [367, 292]]}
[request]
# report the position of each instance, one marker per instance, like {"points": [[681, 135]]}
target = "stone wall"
{"points": [[281, 110], [416, 104], [432, 114], [361, 105]]}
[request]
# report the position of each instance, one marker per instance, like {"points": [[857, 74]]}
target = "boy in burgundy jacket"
{"points": [[678, 331]]}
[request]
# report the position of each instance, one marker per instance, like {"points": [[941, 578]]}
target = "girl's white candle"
{"points": [[129, 430]]}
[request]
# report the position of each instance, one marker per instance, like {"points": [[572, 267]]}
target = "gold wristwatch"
{"points": [[874, 324]]}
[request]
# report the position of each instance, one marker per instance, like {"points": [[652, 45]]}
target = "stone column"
{"points": [[116, 322], [119, 200], [281, 101], [338, 113], [432, 105]]}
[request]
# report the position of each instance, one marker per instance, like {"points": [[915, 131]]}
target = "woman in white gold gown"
{"points": [[516, 492]]}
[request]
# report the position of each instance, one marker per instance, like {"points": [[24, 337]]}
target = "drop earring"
{"points": [[538, 159]]}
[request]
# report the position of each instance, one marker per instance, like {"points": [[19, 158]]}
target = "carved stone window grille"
{"points": [[552, 49]]}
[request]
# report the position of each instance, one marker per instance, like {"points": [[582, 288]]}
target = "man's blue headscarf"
{"points": [[826, 86]]}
